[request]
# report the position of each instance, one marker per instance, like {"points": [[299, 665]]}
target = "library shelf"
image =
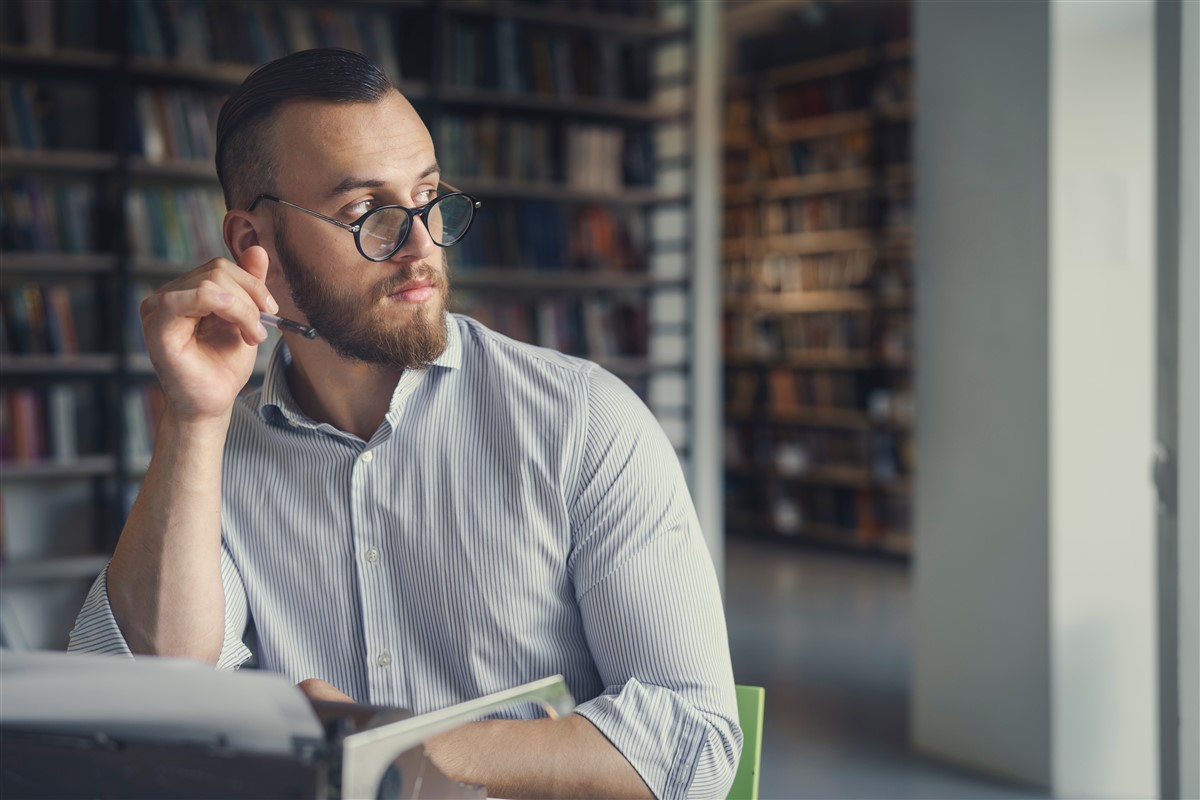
{"points": [[570, 281], [15, 159], [817, 68], [819, 173], [176, 169], [83, 467], [152, 267], [801, 185], [819, 417], [801, 302], [625, 110], [625, 26], [803, 243], [57, 263], [881, 542], [52, 569], [486, 188], [216, 74], [65, 58], [833, 359], [58, 365]]}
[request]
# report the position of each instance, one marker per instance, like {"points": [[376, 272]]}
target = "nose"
{"points": [[419, 245]]}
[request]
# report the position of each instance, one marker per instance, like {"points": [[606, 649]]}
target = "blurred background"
{"points": [[911, 286]]}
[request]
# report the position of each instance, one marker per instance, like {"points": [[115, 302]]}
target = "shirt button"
{"points": [[372, 555], [385, 659], [367, 457]]}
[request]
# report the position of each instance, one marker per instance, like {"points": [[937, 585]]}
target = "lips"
{"points": [[416, 291]]}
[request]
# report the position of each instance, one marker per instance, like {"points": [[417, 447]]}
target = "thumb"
{"points": [[255, 261]]}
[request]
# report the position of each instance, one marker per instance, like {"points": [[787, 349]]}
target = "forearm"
{"points": [[537, 758], [164, 581]]}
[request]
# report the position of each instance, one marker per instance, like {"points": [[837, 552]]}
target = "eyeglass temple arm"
{"points": [[310, 212]]}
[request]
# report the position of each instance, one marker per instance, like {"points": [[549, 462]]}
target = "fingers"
{"points": [[179, 311], [219, 288], [317, 689]]}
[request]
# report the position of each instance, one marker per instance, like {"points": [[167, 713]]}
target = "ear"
{"points": [[241, 232]]}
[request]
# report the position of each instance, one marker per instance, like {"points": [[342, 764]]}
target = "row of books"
{"points": [[789, 272], [537, 234], [784, 389], [175, 224], [883, 456], [48, 114], [797, 452], [47, 216], [595, 327], [203, 31], [50, 24], [583, 156], [174, 123], [41, 423], [835, 28], [778, 334], [836, 94], [39, 319], [512, 56], [861, 516], [636, 9], [850, 210], [844, 151]]}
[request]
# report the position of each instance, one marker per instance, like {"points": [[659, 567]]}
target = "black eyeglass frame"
{"points": [[356, 227]]}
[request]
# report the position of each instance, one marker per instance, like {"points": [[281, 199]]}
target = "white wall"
{"points": [[981, 671], [1034, 576], [1102, 375]]}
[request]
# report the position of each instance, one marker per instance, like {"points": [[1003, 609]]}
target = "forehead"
{"points": [[319, 144]]}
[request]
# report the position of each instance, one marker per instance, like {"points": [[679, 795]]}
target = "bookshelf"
{"points": [[817, 277], [571, 121]]}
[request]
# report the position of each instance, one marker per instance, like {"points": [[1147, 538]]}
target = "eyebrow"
{"points": [[350, 184]]}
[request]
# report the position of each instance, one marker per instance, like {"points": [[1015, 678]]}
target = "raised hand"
{"points": [[202, 332]]}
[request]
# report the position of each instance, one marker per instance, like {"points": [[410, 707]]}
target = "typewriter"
{"points": [[97, 726]]}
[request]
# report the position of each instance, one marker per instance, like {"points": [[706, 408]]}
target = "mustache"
{"points": [[419, 273]]}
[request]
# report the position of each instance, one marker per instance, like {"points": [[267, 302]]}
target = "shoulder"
{"points": [[482, 344]]}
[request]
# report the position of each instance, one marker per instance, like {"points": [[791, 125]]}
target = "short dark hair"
{"points": [[246, 163]]}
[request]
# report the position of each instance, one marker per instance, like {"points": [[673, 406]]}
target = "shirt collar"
{"points": [[276, 401]]}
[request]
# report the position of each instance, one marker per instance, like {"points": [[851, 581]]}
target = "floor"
{"points": [[828, 635]]}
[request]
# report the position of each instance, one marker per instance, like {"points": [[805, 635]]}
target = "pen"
{"points": [[287, 325]]}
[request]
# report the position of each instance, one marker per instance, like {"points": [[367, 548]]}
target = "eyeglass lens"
{"points": [[384, 231]]}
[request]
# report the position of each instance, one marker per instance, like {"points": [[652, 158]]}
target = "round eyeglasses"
{"points": [[381, 232]]}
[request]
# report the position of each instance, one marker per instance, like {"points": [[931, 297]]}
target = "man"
{"points": [[413, 509]]}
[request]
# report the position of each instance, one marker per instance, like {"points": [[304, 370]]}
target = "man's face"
{"points": [[342, 160]]}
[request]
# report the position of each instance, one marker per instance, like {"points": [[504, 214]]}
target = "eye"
{"points": [[359, 207], [425, 196]]}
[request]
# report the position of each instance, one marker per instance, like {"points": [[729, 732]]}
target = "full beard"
{"points": [[355, 329]]}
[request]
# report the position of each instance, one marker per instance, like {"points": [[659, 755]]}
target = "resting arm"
{"points": [[524, 758]]}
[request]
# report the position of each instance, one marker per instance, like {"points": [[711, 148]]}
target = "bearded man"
{"points": [[412, 510]]}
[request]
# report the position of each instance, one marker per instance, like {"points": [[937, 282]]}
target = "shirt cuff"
{"points": [[678, 750]]}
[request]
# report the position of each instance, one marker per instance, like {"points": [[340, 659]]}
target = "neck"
{"points": [[349, 395]]}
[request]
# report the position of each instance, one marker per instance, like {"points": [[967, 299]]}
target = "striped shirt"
{"points": [[519, 513]]}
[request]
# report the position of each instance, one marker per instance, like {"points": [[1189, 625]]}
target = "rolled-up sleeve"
{"points": [[96, 629], [651, 605]]}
